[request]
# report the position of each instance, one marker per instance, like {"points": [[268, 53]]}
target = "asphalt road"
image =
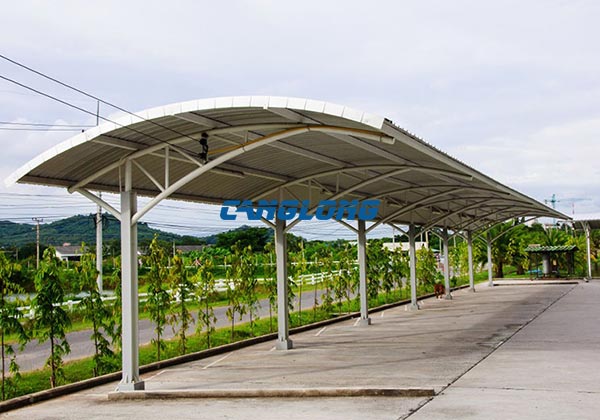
{"points": [[34, 355]]}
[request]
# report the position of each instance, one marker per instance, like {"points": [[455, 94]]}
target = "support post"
{"points": [[489, 260], [129, 288], [99, 246], [446, 264], [283, 338], [470, 261], [588, 232], [362, 274], [412, 256]]}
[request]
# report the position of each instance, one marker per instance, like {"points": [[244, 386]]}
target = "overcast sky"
{"points": [[509, 87]]}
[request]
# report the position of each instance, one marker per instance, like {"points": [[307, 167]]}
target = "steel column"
{"points": [[470, 258], [283, 338], [99, 247], [446, 264], [588, 232], [412, 255], [129, 288], [489, 260], [362, 273]]}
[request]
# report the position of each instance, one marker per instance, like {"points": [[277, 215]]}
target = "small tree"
{"points": [[234, 288], [378, 268], [299, 269], [158, 297], [96, 311], [205, 290], [348, 274], [115, 328], [328, 275], [248, 283], [427, 271], [10, 319], [51, 320], [182, 288], [270, 281], [399, 268]]}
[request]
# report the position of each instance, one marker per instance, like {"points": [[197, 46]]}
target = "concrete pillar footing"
{"points": [[448, 296], [472, 289], [131, 386], [413, 307], [284, 344], [364, 322]]}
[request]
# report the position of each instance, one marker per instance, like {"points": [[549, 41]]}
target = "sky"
{"points": [[511, 88]]}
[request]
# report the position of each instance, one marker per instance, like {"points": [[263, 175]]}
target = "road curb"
{"points": [[272, 393]]}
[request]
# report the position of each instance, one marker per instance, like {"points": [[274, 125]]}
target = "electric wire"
{"points": [[47, 129], [89, 95], [45, 124], [126, 127]]}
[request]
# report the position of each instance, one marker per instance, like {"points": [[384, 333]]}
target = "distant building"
{"points": [[68, 252]]}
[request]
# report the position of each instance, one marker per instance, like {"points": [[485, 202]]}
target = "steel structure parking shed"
{"points": [[271, 148]]}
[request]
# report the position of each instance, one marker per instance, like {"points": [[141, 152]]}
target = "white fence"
{"points": [[221, 285]]}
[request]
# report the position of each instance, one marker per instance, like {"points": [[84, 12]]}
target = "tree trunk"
{"points": [[52, 364], [95, 347], [3, 378], [499, 269], [207, 325]]}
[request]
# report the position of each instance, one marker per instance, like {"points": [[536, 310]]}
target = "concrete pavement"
{"points": [[503, 352]]}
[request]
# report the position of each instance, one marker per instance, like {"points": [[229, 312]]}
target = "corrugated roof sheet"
{"points": [[322, 150]]}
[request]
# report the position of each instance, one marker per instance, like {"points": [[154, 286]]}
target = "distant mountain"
{"points": [[78, 229]]}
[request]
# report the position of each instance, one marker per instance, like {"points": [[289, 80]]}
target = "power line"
{"points": [[89, 95], [54, 98], [45, 124], [47, 129]]}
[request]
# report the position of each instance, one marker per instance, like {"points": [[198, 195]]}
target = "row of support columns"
{"points": [[130, 356]]}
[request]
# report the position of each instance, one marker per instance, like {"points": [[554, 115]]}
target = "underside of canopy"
{"points": [[280, 148]]}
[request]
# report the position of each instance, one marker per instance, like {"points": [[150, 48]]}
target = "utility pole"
{"points": [[99, 245], [37, 221]]}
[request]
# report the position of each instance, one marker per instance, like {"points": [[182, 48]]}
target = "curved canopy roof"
{"points": [[276, 147]]}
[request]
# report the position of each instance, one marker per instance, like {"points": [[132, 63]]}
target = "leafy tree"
{"points": [[248, 282], [348, 275], [329, 269], [235, 288], [115, 328], [399, 267], [255, 237], [158, 302], [205, 290], [270, 281], [427, 271], [50, 320], [182, 287], [378, 268], [518, 241], [299, 269], [96, 311], [10, 320]]}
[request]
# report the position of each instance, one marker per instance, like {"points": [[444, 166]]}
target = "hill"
{"points": [[78, 229]]}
